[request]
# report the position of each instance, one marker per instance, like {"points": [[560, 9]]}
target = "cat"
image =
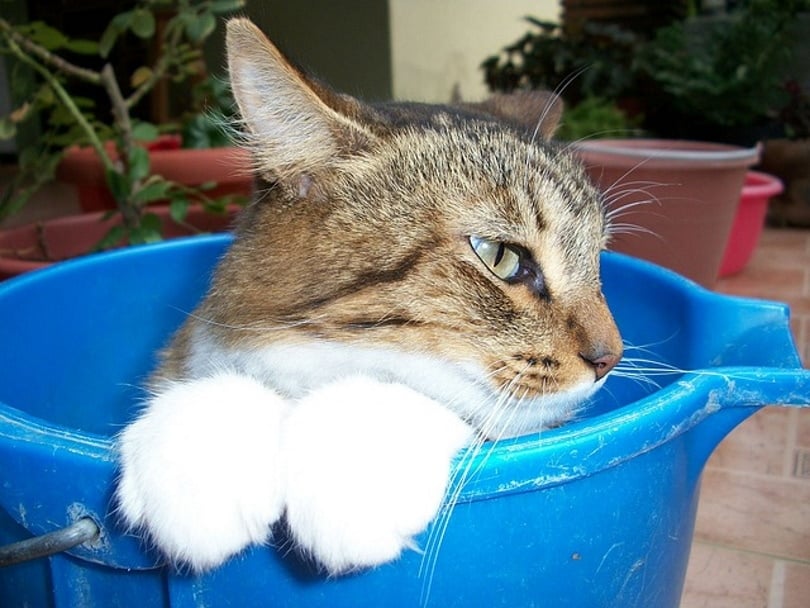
{"points": [[410, 280]]}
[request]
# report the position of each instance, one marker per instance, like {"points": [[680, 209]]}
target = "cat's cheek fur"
{"points": [[368, 465], [201, 468]]}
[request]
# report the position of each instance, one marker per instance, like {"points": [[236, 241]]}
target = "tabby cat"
{"points": [[409, 280]]}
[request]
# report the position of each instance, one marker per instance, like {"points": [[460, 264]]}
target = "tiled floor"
{"points": [[752, 539]]}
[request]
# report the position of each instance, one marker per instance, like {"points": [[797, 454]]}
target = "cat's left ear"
{"points": [[537, 111], [295, 126]]}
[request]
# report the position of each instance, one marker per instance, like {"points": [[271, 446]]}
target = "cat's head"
{"points": [[443, 234]]}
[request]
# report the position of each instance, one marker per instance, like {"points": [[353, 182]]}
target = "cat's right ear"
{"points": [[539, 112], [288, 121]]}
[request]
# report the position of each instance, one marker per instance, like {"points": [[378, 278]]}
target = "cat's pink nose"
{"points": [[601, 363]]}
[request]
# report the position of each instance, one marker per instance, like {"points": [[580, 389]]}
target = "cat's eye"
{"points": [[511, 263], [502, 259]]}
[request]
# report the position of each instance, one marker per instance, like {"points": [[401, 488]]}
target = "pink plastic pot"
{"points": [[747, 228]]}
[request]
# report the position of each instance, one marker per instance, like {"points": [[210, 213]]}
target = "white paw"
{"points": [[368, 464], [201, 470]]}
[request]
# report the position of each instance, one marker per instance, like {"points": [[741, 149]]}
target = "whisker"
{"points": [[631, 229], [612, 199], [459, 477], [557, 94], [599, 135], [469, 464]]}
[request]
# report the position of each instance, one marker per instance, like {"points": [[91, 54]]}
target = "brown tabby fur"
{"points": [[359, 231]]}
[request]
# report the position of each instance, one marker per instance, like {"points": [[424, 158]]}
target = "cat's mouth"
{"points": [[528, 405]]}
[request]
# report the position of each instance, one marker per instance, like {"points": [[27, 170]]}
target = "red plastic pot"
{"points": [[40, 244], [747, 228], [229, 168]]}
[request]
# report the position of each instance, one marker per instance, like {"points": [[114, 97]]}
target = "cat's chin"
{"points": [[295, 370], [541, 413]]}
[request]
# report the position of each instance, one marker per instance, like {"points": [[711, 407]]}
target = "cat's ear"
{"points": [[294, 125], [537, 111]]}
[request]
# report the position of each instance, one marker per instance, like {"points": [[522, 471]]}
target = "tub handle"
{"points": [[81, 531]]}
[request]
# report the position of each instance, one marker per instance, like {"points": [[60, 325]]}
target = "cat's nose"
{"points": [[602, 362]]}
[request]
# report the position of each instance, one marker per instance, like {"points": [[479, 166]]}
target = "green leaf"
{"points": [[117, 26], [61, 116], [149, 230], [82, 47], [145, 131], [178, 209], [114, 237], [119, 185], [46, 36], [151, 192], [107, 40], [84, 102], [226, 6], [140, 76], [199, 27], [7, 128], [45, 96], [138, 164], [143, 23]]}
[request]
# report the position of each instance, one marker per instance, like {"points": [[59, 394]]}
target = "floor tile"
{"points": [[780, 284], [758, 445], [803, 428], [721, 578], [796, 592], [756, 513]]}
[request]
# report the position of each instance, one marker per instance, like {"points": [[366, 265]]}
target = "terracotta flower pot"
{"points": [[229, 168], [749, 220], [671, 202], [34, 246]]}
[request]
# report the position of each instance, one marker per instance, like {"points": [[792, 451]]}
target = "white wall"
{"points": [[438, 43]]}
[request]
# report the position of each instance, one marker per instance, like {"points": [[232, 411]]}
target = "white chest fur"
{"points": [[462, 387]]}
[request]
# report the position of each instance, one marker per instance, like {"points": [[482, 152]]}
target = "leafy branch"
{"points": [[70, 119]]}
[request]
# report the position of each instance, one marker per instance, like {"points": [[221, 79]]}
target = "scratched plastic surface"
{"points": [[599, 512]]}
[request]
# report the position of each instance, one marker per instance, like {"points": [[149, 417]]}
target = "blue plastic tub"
{"points": [[597, 513]]}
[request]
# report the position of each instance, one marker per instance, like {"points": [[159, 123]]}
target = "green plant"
{"points": [[731, 73], [595, 117], [596, 62], [52, 93]]}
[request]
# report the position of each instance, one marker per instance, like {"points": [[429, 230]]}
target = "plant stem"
{"points": [[47, 57], [125, 143], [168, 46], [67, 101]]}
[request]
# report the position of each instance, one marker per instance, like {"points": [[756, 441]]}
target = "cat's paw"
{"points": [[368, 466], [201, 469]]}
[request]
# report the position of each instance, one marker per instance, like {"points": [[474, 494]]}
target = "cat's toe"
{"points": [[368, 465], [200, 469]]}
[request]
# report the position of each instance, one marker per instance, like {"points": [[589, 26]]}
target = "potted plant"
{"points": [[111, 133], [719, 78], [595, 62]]}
